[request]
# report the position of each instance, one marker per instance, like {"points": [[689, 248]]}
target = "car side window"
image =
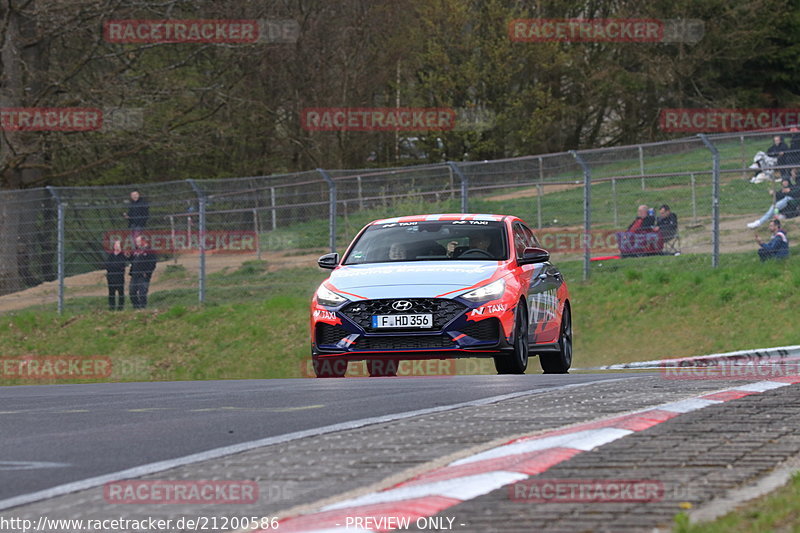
{"points": [[520, 239], [534, 242]]}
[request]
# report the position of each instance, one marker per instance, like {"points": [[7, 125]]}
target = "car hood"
{"points": [[411, 279]]}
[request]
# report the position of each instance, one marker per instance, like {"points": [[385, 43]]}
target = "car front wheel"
{"points": [[517, 361]]}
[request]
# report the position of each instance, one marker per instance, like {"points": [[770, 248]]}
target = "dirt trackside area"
{"points": [[94, 283]]}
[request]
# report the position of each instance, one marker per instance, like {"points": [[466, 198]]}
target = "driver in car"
{"points": [[481, 241], [397, 252]]}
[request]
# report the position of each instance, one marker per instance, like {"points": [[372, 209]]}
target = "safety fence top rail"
{"points": [[64, 232], [394, 171]]}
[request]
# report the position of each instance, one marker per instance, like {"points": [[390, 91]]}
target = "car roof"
{"points": [[442, 217]]}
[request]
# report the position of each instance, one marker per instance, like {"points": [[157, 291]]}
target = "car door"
{"points": [[543, 293]]}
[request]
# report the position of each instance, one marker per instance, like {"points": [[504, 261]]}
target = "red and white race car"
{"points": [[441, 286]]}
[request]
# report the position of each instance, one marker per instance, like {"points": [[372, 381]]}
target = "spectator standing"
{"points": [[143, 263], [778, 245], [138, 214], [116, 261]]}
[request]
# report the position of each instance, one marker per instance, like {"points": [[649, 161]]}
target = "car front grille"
{"points": [[483, 330], [422, 342], [443, 310]]}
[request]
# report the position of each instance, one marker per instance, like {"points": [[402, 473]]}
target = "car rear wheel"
{"points": [[330, 368], [382, 367], [517, 361], [560, 361]]}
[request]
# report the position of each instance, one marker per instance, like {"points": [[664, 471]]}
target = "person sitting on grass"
{"points": [[778, 245], [782, 198]]}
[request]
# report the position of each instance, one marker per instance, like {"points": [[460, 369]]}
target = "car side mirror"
{"points": [[534, 255], [329, 261]]}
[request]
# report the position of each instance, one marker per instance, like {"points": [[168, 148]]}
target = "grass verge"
{"points": [[777, 511], [631, 309]]}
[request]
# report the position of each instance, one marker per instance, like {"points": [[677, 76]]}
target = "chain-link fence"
{"points": [[216, 238]]}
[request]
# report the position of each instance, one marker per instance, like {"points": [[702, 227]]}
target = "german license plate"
{"points": [[402, 321]]}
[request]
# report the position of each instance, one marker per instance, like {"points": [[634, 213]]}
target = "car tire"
{"points": [[560, 361], [517, 361], [379, 368], [330, 368]]}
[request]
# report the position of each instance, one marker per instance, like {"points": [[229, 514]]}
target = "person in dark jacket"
{"points": [[143, 263], [138, 213], [793, 155], [644, 221], [116, 261], [667, 222], [778, 245], [779, 150], [784, 201]]}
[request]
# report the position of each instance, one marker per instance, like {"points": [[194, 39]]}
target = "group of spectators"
{"points": [[141, 259], [785, 199], [665, 221]]}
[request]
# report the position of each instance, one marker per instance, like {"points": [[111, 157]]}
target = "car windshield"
{"points": [[461, 240]]}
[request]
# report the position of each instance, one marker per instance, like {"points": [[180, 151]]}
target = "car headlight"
{"points": [[327, 297], [491, 291]]}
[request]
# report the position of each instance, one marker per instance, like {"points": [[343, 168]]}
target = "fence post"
{"points": [[714, 199], [539, 193], [641, 164], [60, 250], [614, 201], [172, 236], [258, 234], [587, 211], [464, 185], [332, 207], [694, 198], [201, 238], [744, 158], [274, 211]]}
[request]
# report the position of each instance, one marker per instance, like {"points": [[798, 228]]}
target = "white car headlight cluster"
{"points": [[492, 291], [327, 297]]}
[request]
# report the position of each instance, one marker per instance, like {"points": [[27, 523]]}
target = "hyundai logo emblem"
{"points": [[402, 305]]}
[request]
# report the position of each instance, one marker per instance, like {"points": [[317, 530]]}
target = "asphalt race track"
{"points": [[448, 450], [95, 429]]}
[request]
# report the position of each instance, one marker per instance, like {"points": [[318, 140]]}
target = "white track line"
{"points": [[494, 476], [215, 453]]}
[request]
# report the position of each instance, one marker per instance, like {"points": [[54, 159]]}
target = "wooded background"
{"points": [[211, 110]]}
